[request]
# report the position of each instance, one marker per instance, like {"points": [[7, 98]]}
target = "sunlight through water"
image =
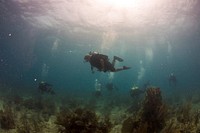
{"points": [[123, 3], [103, 15]]}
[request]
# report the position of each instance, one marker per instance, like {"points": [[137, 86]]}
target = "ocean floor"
{"points": [[152, 112]]}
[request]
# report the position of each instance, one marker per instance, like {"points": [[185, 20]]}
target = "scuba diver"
{"points": [[45, 88], [101, 62], [136, 91], [172, 80]]}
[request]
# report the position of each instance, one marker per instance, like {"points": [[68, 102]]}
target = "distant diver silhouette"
{"points": [[136, 91], [44, 87]]}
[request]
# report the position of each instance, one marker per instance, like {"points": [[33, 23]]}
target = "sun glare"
{"points": [[121, 3]]}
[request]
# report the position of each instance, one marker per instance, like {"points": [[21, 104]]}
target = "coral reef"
{"points": [[81, 121]]}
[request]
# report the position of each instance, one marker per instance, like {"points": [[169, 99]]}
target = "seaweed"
{"points": [[48, 109], [184, 120], [46, 106], [29, 103], [7, 118], [104, 126], [81, 121], [183, 114], [29, 122], [129, 124], [151, 117], [154, 110], [196, 117]]}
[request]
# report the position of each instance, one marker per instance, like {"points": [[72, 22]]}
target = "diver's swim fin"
{"points": [[118, 59], [125, 67]]}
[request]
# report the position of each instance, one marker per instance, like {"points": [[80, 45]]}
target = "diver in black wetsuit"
{"points": [[136, 91], [101, 62], [45, 88]]}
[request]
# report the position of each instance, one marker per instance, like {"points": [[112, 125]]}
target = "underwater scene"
{"points": [[99, 66]]}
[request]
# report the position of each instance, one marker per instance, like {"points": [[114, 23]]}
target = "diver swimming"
{"points": [[44, 87], [101, 62], [136, 91]]}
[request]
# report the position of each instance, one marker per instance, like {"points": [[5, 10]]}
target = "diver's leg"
{"points": [[123, 68], [116, 58], [113, 62]]}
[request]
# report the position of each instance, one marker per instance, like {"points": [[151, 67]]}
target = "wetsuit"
{"points": [[95, 61]]}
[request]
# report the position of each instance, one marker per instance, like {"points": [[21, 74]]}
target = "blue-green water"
{"points": [[46, 41]]}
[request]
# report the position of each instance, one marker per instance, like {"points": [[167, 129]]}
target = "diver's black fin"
{"points": [[125, 67]]}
